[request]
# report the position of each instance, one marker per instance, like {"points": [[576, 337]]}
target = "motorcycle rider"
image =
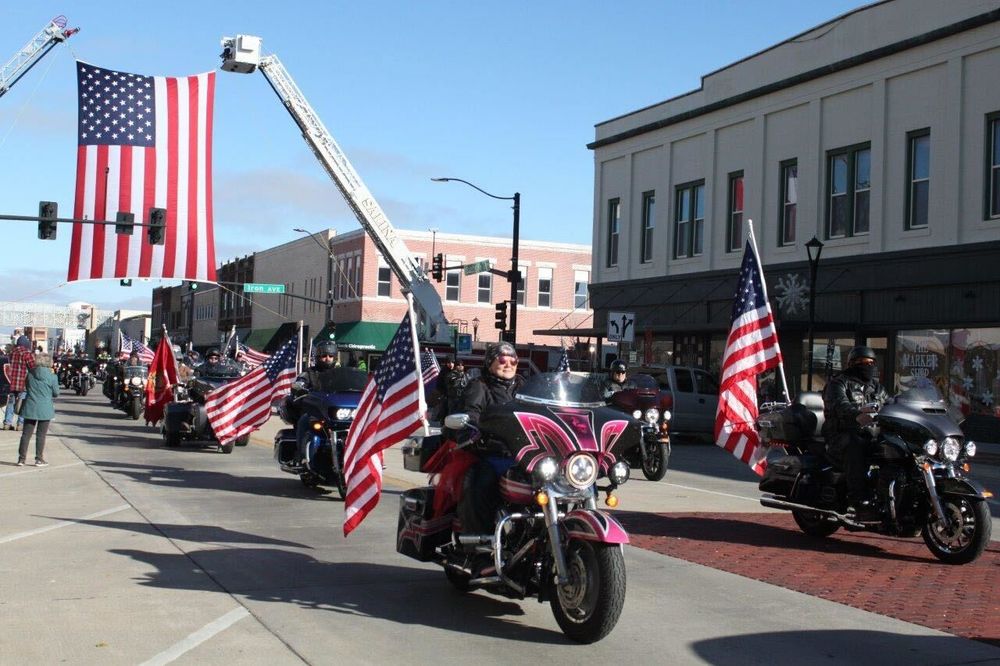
{"points": [[844, 426], [214, 367], [313, 379], [496, 387], [616, 381]]}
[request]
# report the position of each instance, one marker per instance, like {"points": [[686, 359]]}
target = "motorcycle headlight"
{"points": [[581, 470], [547, 468], [666, 415], [970, 448], [950, 448], [930, 447], [637, 414], [344, 413], [84, 370], [135, 381], [652, 415], [619, 472]]}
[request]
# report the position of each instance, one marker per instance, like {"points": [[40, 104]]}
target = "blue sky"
{"points": [[503, 94]]}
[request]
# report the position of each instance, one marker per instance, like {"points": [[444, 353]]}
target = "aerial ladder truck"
{"points": [[55, 32], [241, 54]]}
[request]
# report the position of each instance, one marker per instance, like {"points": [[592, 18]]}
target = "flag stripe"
{"points": [[148, 201], [75, 243], [191, 266], [100, 210], [206, 182], [124, 204]]}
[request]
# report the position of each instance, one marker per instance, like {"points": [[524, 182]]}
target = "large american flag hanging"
{"points": [[391, 409], [752, 348], [144, 142], [244, 405]]}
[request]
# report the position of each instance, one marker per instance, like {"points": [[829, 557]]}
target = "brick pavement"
{"points": [[889, 576]]}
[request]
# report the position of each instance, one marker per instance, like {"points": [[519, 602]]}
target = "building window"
{"points": [[485, 288], [993, 165], [789, 202], [384, 285], [521, 286], [735, 208], [614, 214], [689, 220], [544, 287], [580, 280], [648, 222], [357, 277], [918, 161], [848, 190], [453, 282]]}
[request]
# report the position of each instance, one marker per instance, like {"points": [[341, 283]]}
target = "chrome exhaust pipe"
{"points": [[773, 502]]}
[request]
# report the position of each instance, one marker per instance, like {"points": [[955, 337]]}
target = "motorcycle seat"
{"points": [[813, 402]]}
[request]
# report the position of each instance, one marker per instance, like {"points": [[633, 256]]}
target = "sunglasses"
{"points": [[326, 355], [507, 360], [865, 361]]}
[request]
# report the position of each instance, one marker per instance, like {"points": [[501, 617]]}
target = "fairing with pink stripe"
{"points": [[593, 525], [562, 431]]}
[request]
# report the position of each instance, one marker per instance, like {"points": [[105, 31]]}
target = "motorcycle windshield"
{"points": [[136, 371], [643, 383], [567, 389]]}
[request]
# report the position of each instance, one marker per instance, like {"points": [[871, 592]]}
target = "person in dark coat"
{"points": [[22, 361], [38, 408]]}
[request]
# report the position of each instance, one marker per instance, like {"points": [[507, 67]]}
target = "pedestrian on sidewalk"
{"points": [[38, 409], [21, 362]]}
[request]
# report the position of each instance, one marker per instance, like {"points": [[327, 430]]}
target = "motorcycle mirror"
{"points": [[456, 421]]}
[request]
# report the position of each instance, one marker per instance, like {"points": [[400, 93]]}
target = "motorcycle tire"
{"points": [[654, 468], [965, 541], [135, 409], [83, 390], [243, 441], [79, 391], [587, 608], [341, 486], [226, 448], [815, 524], [172, 439]]}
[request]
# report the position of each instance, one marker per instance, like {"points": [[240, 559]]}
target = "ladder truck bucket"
{"points": [[240, 54]]}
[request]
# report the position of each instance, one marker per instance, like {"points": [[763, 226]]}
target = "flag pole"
{"points": [[422, 403], [763, 284], [298, 354]]}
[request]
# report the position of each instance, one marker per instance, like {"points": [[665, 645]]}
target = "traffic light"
{"points": [[501, 315], [48, 211], [157, 223], [125, 283], [437, 267], [192, 286], [125, 223]]}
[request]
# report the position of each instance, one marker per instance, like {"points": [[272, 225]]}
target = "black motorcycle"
{"points": [[549, 540], [125, 387], [80, 373], [918, 462], [185, 419], [330, 413], [643, 399]]}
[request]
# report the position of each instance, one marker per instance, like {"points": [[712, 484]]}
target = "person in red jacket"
{"points": [[21, 361]]}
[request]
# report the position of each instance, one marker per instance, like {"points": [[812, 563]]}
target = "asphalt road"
{"points": [[125, 552]]}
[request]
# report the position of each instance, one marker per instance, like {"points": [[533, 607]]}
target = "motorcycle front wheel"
{"points": [[967, 533], [588, 606], [135, 409], [654, 465], [83, 390]]}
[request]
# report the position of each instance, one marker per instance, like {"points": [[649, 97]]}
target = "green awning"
{"points": [[363, 335], [259, 338]]}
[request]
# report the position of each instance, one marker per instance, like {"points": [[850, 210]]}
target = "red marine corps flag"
{"points": [[161, 381], [143, 142], [752, 348]]}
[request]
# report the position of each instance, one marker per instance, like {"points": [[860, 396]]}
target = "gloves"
{"points": [[864, 419]]}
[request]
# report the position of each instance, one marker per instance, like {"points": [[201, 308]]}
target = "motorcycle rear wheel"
{"points": [[171, 439], [967, 535], [587, 608], [227, 447], [654, 467], [815, 524], [243, 441]]}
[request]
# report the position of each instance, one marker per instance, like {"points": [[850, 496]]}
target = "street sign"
{"points": [[478, 267], [621, 327], [464, 343], [260, 288]]}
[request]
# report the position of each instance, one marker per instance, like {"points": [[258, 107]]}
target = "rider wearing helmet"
{"points": [[216, 366], [846, 439], [617, 377], [314, 378]]}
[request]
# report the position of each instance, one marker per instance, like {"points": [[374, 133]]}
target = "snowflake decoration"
{"points": [[987, 397], [977, 363], [957, 368], [792, 293], [967, 383]]}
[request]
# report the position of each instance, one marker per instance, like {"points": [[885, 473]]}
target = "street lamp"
{"points": [[329, 271], [475, 329], [813, 249], [513, 276]]}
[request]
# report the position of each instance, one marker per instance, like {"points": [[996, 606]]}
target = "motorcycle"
{"points": [[101, 371], [643, 399], [918, 463], [81, 375], [550, 540], [125, 387], [330, 412], [185, 419]]}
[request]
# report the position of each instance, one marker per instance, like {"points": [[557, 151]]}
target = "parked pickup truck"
{"points": [[695, 395]]}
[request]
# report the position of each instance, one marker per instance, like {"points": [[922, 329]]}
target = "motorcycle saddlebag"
{"points": [[418, 450], [177, 418], [417, 532], [285, 446], [782, 474]]}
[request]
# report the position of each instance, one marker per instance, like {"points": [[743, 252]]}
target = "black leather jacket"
{"points": [[488, 391], [843, 398]]}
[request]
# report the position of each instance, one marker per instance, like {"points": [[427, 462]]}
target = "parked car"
{"points": [[694, 397]]}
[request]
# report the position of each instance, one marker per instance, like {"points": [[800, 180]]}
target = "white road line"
{"points": [[62, 523], [714, 492], [30, 467], [197, 638]]}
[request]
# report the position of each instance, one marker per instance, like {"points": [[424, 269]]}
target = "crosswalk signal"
{"points": [[157, 223], [501, 315], [48, 212], [124, 223], [437, 266]]}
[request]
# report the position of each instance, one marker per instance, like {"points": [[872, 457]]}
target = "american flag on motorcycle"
{"points": [[243, 405], [429, 367], [128, 345], [391, 409], [252, 357], [752, 348]]}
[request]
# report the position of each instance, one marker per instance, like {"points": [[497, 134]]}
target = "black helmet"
{"points": [[213, 352], [858, 353], [326, 347], [618, 366]]}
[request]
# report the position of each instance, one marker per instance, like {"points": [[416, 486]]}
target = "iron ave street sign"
{"points": [[260, 288], [478, 267], [621, 327]]}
